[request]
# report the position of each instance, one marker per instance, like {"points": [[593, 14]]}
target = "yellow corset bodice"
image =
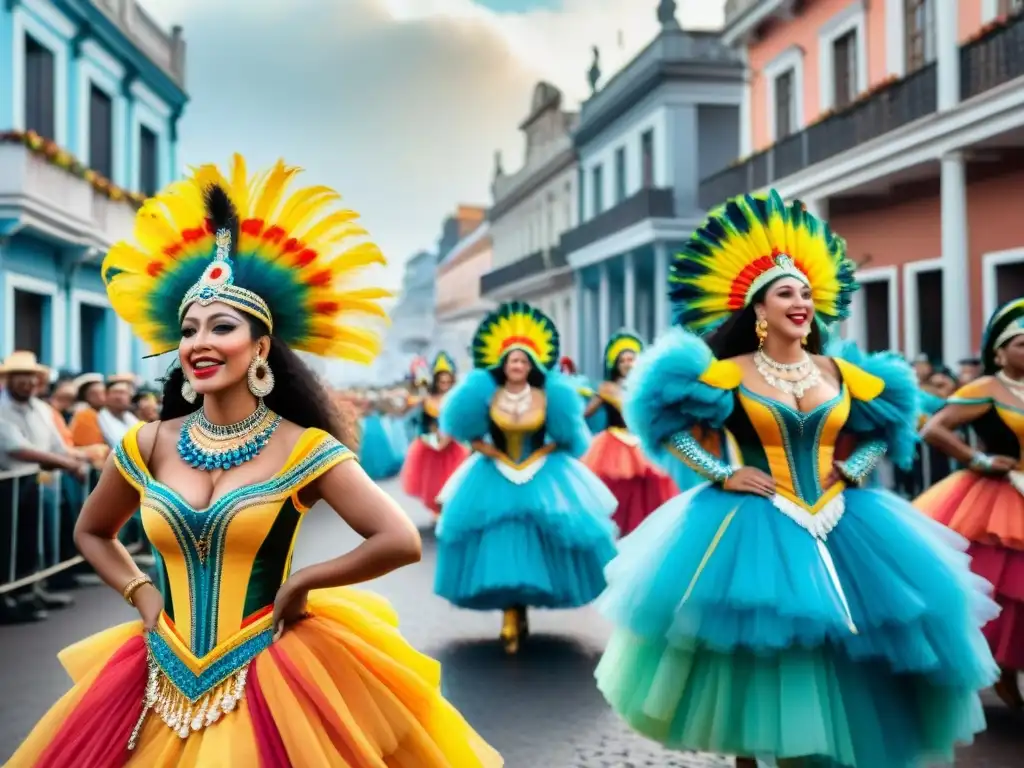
{"points": [[220, 567]]}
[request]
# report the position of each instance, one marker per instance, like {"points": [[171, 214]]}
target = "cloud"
{"points": [[399, 104]]}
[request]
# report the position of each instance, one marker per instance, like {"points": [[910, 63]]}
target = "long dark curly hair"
{"points": [[298, 395], [737, 335]]}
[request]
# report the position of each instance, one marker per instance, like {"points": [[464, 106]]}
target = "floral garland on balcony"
{"points": [[998, 23], [55, 155]]}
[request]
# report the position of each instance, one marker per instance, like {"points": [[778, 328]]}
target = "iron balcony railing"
{"points": [[994, 58], [649, 203]]}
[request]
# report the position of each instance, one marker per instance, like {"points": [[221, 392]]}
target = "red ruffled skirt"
{"points": [[427, 469], [988, 511], [640, 487]]}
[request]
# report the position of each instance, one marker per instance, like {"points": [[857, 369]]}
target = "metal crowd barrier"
{"points": [[53, 509]]}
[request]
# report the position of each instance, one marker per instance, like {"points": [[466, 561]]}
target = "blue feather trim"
{"points": [[664, 395], [465, 412], [565, 425], [894, 414]]}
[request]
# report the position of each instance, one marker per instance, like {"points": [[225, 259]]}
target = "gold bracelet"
{"points": [[132, 587]]}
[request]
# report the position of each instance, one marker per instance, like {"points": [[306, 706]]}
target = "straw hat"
{"points": [[21, 361], [87, 378]]}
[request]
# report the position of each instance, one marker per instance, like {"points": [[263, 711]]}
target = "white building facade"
{"points": [[412, 320], [531, 209], [91, 95], [644, 140]]}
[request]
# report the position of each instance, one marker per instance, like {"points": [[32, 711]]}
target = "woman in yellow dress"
{"points": [[235, 660]]}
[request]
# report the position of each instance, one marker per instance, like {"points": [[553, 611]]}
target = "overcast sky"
{"points": [[399, 104]]}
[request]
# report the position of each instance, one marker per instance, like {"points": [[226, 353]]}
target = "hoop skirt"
{"points": [[209, 687], [840, 625], [535, 534], [376, 452], [989, 512], [427, 469], [639, 487]]}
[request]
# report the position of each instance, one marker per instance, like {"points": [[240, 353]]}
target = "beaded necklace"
{"points": [[208, 446]]}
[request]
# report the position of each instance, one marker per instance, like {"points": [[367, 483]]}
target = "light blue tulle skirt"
{"points": [[395, 428], [543, 543], [737, 641], [376, 452]]}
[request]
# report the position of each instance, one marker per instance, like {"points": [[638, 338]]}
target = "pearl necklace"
{"points": [[515, 403], [796, 388]]}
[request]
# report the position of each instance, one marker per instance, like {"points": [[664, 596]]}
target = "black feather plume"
{"points": [[222, 212]]}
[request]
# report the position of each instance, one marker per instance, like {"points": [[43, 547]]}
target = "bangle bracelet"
{"points": [[981, 461], [132, 587]]}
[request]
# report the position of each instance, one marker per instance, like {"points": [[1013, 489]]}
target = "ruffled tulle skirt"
{"points": [[398, 436], [988, 511], [732, 637], [376, 453], [341, 688], [543, 541], [427, 469], [638, 486]]}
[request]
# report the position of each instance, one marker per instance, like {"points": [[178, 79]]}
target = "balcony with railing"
{"points": [[994, 58], [649, 203], [534, 264], [58, 203], [165, 49]]}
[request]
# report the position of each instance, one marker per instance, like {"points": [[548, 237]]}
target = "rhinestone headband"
{"points": [[782, 266], [217, 285]]}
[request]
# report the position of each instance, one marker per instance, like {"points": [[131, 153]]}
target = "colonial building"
{"points": [[460, 307], [901, 121], [532, 208], [644, 141], [91, 96]]}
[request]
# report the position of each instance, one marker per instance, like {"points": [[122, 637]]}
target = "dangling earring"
{"points": [[803, 341], [761, 329], [187, 392], [261, 378]]}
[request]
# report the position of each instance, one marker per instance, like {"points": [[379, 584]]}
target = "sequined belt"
{"points": [[190, 694]]}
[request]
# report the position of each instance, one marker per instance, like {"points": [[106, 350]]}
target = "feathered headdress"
{"points": [[515, 325], [443, 363], [620, 342], [285, 259], [745, 245], [1005, 323]]}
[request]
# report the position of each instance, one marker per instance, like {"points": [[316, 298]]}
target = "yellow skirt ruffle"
{"points": [[341, 688]]}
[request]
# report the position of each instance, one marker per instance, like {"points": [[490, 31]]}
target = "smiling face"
{"points": [[443, 382], [217, 347], [624, 363], [517, 367], [788, 309], [1010, 356]]}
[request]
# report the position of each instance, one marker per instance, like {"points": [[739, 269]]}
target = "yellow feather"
{"points": [[271, 192], [303, 205], [239, 190], [326, 225]]}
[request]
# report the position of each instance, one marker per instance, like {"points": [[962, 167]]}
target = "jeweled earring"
{"points": [[803, 341], [261, 378], [187, 392], [761, 329]]}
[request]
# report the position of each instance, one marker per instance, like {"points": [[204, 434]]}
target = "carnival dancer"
{"points": [[376, 451], [396, 405], [236, 661], [985, 502], [780, 611], [524, 523], [615, 455], [596, 420], [433, 457]]}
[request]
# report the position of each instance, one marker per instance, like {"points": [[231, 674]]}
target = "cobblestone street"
{"points": [[540, 708]]}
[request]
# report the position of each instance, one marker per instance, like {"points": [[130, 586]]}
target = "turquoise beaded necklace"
{"points": [[208, 446]]}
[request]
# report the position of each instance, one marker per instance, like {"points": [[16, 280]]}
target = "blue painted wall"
{"points": [[88, 49]]}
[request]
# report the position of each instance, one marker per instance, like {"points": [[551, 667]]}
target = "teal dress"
{"points": [[838, 624]]}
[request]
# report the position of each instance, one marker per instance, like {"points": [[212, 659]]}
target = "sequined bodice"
{"points": [[219, 568], [1001, 429], [517, 439], [613, 412], [795, 448], [429, 416]]}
